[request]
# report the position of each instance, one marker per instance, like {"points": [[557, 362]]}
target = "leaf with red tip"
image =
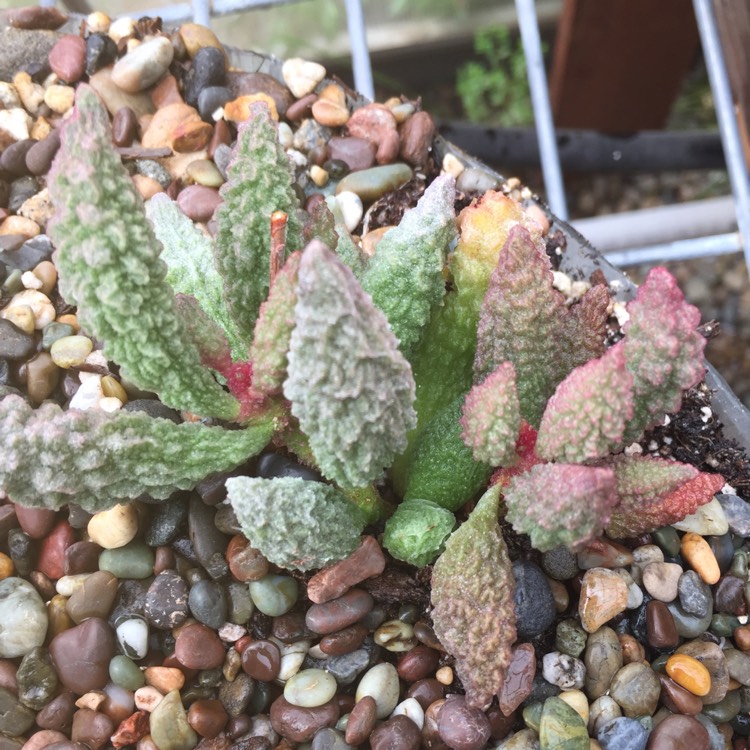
{"points": [[491, 418], [205, 333]]}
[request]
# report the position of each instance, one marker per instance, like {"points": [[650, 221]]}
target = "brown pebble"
{"points": [[124, 126], [741, 637], [729, 596], [660, 626], [361, 721], [417, 663], [331, 582], [397, 733], [344, 641], [44, 738], [36, 17], [198, 202], [198, 647], [679, 732], [191, 136], [426, 691], [245, 562], [36, 522], [302, 108], [164, 559], [81, 557], [58, 713], [8, 671], [713, 659], [417, 134], [82, 654], [68, 58], [291, 627], [261, 660], [519, 679], [339, 613], [222, 135], [462, 727], [166, 92], [300, 724], [356, 153], [164, 679], [500, 725], [42, 377], [677, 699], [207, 717], [92, 728], [51, 560], [632, 649], [39, 157]]}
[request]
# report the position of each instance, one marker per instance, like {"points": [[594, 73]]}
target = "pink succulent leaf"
{"points": [[663, 350], [205, 333], [561, 504], [526, 457], [656, 492], [526, 321], [491, 418], [587, 415], [473, 597], [273, 330]]}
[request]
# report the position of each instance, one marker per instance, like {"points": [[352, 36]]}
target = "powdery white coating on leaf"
{"points": [[259, 182], [561, 504], [108, 259], [405, 276], [189, 255], [663, 350], [52, 457], [588, 413], [350, 387], [656, 492], [491, 417], [417, 531], [273, 330], [296, 524], [473, 599]]}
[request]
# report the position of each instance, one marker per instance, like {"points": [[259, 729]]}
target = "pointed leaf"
{"points": [[205, 333], [587, 415], [491, 418], [108, 259], [473, 598], [561, 504], [350, 387], [296, 524], [52, 457]]}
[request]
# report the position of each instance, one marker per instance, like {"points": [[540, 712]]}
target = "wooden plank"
{"points": [[618, 64]]}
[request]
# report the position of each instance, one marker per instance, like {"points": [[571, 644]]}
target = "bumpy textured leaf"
{"points": [[443, 468], [259, 182], [587, 414], [491, 417], [525, 320], [417, 531], [561, 504], [296, 524], [350, 387], [663, 350], [205, 333], [349, 252], [656, 492], [53, 457], [473, 598], [189, 255], [109, 265], [273, 330], [443, 360], [405, 276]]}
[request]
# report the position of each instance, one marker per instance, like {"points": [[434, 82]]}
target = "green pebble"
{"points": [[54, 331], [71, 351], [570, 638], [561, 727], [739, 565], [123, 671], [12, 284], [660, 663], [241, 606], [724, 625], [134, 560], [726, 709], [373, 183], [532, 715], [169, 726], [744, 692], [274, 595], [668, 540]]}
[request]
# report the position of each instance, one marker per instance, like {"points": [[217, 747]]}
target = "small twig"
{"points": [[278, 243]]}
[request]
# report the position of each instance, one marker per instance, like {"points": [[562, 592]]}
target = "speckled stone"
{"points": [[166, 603], [695, 595], [23, 618], [737, 512], [37, 679]]}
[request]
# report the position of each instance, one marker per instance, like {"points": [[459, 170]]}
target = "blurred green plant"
{"points": [[495, 90]]}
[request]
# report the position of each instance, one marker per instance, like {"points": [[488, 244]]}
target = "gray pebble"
{"points": [[21, 190], [154, 170], [14, 343], [166, 519], [737, 512], [535, 605], [622, 734], [208, 604], [694, 594], [15, 718], [560, 563]]}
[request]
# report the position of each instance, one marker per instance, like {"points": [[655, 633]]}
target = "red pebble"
{"points": [[131, 730], [52, 551]]}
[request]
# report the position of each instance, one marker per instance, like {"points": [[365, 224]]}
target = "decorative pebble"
{"points": [[679, 733], [168, 724], [603, 658], [300, 724], [71, 351], [462, 727], [124, 672], [208, 603], [262, 660], [603, 596], [310, 688], [371, 184], [689, 673], [380, 682], [198, 647], [351, 208], [519, 678], [709, 519], [338, 613], [562, 670], [695, 595], [68, 58], [623, 734], [570, 637], [92, 638], [36, 679], [132, 636], [114, 527], [23, 617], [361, 721], [302, 76], [636, 689], [698, 553], [737, 513], [166, 602], [143, 66], [660, 626], [661, 579], [561, 726], [94, 598], [534, 603], [274, 595]]}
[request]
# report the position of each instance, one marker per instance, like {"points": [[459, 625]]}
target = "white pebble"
{"points": [[229, 632], [132, 635], [380, 682], [302, 76], [89, 394], [310, 688], [411, 709], [110, 404], [8, 95], [292, 656], [708, 520], [16, 123], [563, 670], [115, 527], [41, 307], [351, 208], [98, 22], [121, 27], [68, 585], [147, 698], [452, 165], [286, 135]]}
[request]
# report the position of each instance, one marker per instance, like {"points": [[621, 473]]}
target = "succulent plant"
{"points": [[280, 331]]}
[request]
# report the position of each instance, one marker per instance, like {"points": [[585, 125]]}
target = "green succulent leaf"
{"points": [[350, 387], [405, 276], [189, 255], [259, 182], [52, 457], [108, 259], [296, 524], [205, 333], [417, 531], [473, 599]]}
